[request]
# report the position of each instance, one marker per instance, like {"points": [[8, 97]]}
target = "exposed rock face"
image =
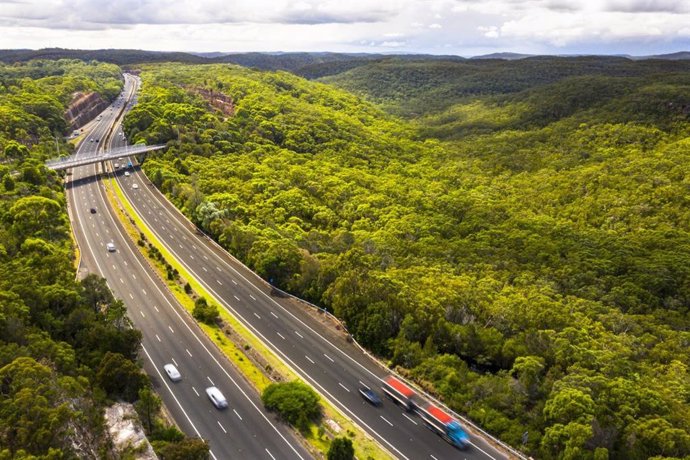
{"points": [[219, 101], [125, 431], [83, 108]]}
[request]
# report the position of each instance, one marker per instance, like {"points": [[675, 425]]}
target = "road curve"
{"points": [[245, 429], [322, 357]]}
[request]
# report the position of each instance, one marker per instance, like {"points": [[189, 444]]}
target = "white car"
{"points": [[217, 397], [173, 373], [135, 186], [126, 173], [110, 247]]}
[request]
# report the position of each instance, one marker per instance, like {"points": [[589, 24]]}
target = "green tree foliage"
{"points": [[296, 403], [520, 247], [120, 377], [341, 449], [205, 312], [34, 407], [54, 331], [147, 407], [186, 449]]}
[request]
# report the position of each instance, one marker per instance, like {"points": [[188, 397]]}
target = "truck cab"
{"points": [[456, 435]]}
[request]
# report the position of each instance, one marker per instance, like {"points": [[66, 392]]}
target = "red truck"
{"points": [[399, 392]]}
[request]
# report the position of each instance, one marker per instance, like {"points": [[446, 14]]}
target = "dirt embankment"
{"points": [[83, 108]]}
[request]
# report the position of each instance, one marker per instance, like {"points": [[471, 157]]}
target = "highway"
{"points": [[321, 356], [244, 429]]}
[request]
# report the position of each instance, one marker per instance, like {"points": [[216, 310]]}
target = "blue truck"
{"points": [[444, 425]]}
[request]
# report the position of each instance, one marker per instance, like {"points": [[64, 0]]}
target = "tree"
{"points": [[569, 404], [205, 312], [96, 292], [341, 449], [120, 377], [276, 261], [187, 449], [33, 407], [147, 407], [296, 403], [38, 216], [528, 370], [8, 183], [15, 150]]}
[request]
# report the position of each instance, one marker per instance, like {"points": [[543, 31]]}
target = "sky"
{"points": [[458, 27]]}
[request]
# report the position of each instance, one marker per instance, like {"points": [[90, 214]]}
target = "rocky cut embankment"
{"points": [[83, 108]]}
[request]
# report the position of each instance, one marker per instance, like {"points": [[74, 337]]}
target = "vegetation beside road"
{"points": [[177, 276], [66, 346], [58, 337], [520, 250]]}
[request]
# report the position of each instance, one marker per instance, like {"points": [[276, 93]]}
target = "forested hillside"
{"points": [[66, 347], [522, 251], [56, 334], [415, 88]]}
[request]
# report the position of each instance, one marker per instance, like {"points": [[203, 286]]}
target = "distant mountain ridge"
{"points": [[679, 56], [506, 56], [308, 64]]}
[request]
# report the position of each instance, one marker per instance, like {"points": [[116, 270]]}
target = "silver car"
{"points": [[217, 397], [173, 373]]}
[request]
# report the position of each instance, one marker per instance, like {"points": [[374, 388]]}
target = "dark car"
{"points": [[369, 396], [93, 210]]}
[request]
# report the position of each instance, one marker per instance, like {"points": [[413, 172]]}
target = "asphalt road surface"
{"points": [[243, 430]]}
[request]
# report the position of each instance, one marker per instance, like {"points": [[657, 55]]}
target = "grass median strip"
{"points": [[365, 447]]}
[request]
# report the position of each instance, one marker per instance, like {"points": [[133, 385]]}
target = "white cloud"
{"points": [[393, 44], [489, 32], [562, 30], [437, 26]]}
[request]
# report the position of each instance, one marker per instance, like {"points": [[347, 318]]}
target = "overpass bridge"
{"points": [[72, 161]]}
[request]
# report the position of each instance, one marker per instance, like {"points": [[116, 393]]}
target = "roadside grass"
{"points": [[365, 446]]}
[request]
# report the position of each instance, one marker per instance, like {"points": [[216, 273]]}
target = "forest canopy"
{"points": [[521, 250], [55, 332]]}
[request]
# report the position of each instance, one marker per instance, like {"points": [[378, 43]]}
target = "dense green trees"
{"points": [[205, 312], [295, 402], [54, 331], [66, 347], [341, 449], [520, 249]]}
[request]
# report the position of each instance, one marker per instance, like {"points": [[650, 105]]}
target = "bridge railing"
{"points": [[73, 160]]}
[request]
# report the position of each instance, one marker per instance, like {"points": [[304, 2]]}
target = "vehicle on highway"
{"points": [[399, 392], [217, 397], [91, 140], [117, 165], [444, 425], [92, 210], [127, 174], [370, 396], [110, 247], [135, 186], [173, 373]]}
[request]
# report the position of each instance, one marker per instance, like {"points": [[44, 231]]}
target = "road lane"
{"points": [[172, 336]]}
